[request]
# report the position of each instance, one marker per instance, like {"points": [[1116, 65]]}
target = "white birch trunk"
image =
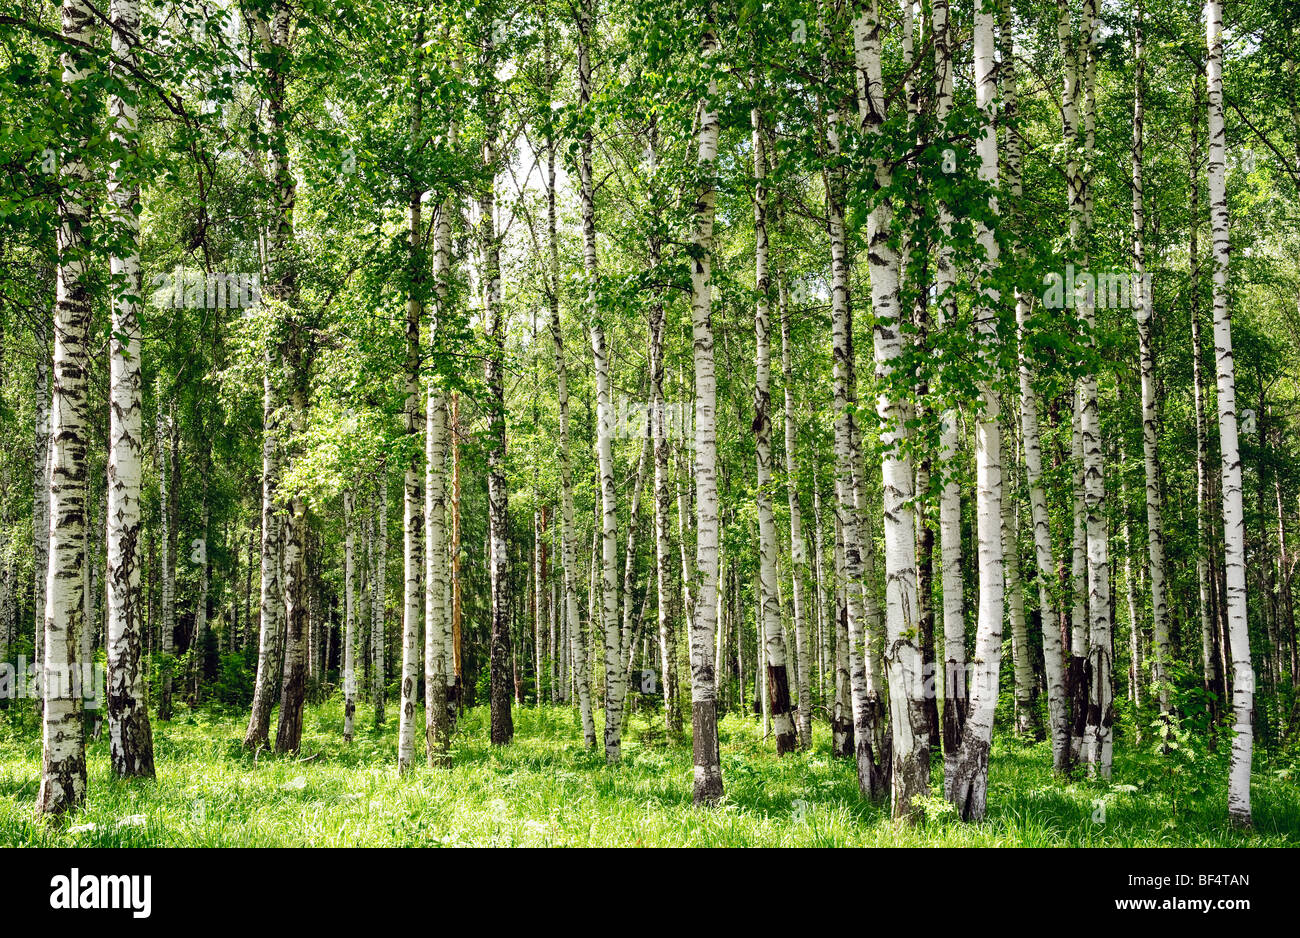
{"points": [[130, 736], [769, 611], [63, 769], [1053, 654], [798, 545], [969, 786], [1234, 561], [1150, 418], [704, 709], [412, 478], [379, 595], [909, 717], [349, 618]]}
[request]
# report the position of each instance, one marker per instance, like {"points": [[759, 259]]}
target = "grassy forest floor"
{"points": [[544, 790]]}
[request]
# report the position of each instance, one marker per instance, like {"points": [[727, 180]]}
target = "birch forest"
{"points": [[649, 422]]}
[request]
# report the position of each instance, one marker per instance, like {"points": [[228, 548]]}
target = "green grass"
{"points": [[545, 790]]}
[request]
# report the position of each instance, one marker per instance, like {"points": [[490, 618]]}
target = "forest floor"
{"points": [[545, 790]]}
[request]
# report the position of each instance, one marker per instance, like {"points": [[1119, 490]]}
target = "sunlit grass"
{"points": [[545, 790]]}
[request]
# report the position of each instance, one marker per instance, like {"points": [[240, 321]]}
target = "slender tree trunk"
{"points": [[969, 786], [1058, 702], [1243, 679], [1150, 417], [437, 625], [574, 647], [379, 595], [349, 619], [1210, 662], [955, 702], [1026, 697], [63, 769], [499, 656], [412, 496], [909, 715], [769, 609], [662, 498], [130, 736], [798, 545], [608, 604], [270, 599], [704, 706]]}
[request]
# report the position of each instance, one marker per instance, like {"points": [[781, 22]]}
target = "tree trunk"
{"points": [[412, 496], [499, 657], [130, 736], [379, 595], [704, 708], [769, 608], [1150, 417], [1058, 703], [798, 545], [349, 619], [63, 769], [574, 647], [909, 715], [969, 786], [1243, 678], [270, 599]]}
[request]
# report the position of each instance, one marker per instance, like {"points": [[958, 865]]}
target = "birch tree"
{"points": [[130, 735], [1144, 313], [778, 682], [63, 766], [909, 716], [969, 785], [608, 605], [1243, 677], [704, 706]]}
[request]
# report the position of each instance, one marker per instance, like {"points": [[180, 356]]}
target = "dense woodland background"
{"points": [[651, 364]]}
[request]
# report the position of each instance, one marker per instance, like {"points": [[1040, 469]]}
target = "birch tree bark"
{"points": [[1243, 678], [798, 545], [282, 289], [574, 648], [704, 708], [662, 497], [1053, 654], [956, 700], [969, 785], [1144, 313], [909, 716], [489, 247], [412, 496], [63, 765], [1097, 738], [349, 618], [130, 736], [608, 604], [437, 630], [41, 488], [1210, 664], [778, 683], [271, 602], [379, 595], [167, 460]]}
